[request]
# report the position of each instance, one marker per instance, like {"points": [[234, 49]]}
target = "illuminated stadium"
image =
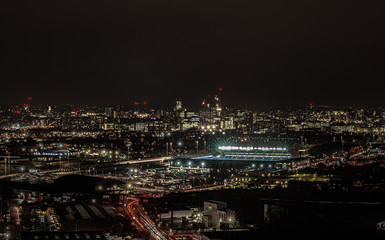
{"points": [[245, 153]]}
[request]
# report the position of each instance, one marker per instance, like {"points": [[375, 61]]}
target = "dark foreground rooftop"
{"points": [[62, 235]]}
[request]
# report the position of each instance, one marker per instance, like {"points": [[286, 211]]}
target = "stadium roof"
{"points": [[256, 158]]}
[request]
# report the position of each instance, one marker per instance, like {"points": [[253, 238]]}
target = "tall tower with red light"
{"points": [[27, 104], [218, 103], [137, 104]]}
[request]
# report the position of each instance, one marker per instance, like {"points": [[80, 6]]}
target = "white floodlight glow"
{"points": [[240, 148]]}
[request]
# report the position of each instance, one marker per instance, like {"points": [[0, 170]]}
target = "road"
{"points": [[144, 223], [160, 159]]}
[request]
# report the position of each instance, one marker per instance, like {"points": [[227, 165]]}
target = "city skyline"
{"points": [[170, 120], [77, 170]]}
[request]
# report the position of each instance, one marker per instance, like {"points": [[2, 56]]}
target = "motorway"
{"points": [[160, 159], [144, 223]]}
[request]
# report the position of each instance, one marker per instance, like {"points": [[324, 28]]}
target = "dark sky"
{"points": [[262, 53]]}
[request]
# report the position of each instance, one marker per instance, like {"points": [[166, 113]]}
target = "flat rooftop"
{"points": [[62, 235]]}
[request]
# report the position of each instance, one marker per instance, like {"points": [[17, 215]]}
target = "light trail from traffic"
{"points": [[144, 223]]}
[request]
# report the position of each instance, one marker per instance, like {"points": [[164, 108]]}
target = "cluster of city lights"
{"points": [[226, 148], [209, 127]]}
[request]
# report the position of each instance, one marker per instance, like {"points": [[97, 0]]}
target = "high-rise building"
{"points": [[178, 105], [109, 111]]}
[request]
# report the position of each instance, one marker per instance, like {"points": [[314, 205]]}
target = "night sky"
{"points": [[262, 53]]}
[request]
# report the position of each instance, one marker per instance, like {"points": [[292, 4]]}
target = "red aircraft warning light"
{"points": [[311, 104], [220, 89], [17, 111], [145, 102], [136, 103], [29, 98]]}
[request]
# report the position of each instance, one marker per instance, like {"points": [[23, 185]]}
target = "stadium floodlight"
{"points": [[249, 148]]}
